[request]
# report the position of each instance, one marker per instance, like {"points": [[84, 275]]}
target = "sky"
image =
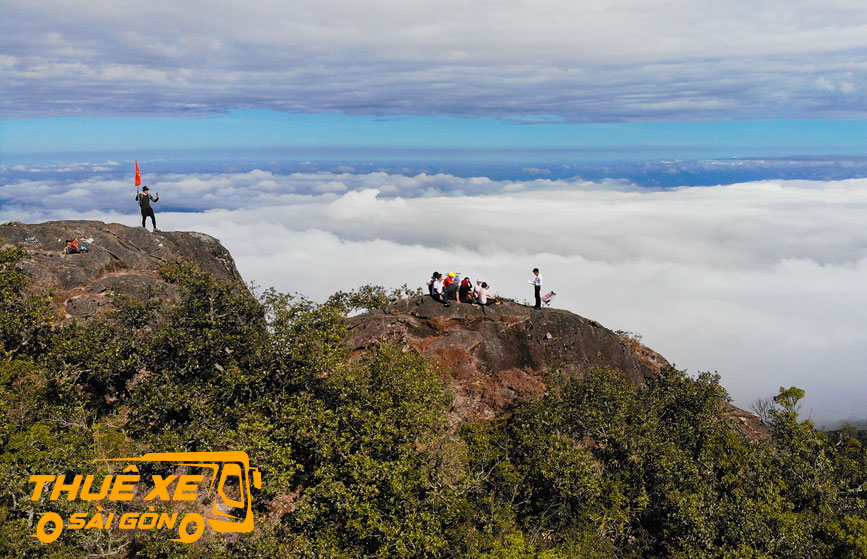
{"points": [[694, 171]]}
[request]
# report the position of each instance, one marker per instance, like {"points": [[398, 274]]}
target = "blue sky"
{"points": [[742, 78], [264, 129]]}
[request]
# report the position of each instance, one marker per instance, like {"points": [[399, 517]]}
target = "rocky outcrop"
{"points": [[499, 354], [120, 259]]}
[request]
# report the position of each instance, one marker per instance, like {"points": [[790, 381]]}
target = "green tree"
{"points": [[25, 314]]}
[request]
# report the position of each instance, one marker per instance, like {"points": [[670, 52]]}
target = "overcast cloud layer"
{"points": [[585, 61], [765, 282]]}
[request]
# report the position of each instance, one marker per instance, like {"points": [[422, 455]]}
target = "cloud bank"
{"points": [[575, 61], [765, 282]]}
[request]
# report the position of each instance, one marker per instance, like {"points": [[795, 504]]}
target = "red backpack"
{"points": [[72, 247]]}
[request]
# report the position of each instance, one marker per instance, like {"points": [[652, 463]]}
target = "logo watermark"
{"points": [[224, 478]]}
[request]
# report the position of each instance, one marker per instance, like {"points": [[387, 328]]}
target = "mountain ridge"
{"points": [[498, 354]]}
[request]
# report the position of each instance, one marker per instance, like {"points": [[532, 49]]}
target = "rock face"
{"points": [[499, 354], [120, 259]]}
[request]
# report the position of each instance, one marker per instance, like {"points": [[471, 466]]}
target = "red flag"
{"points": [[137, 175]]}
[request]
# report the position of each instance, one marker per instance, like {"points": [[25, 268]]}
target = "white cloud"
{"points": [[699, 58], [843, 84], [765, 282], [825, 84], [331, 186]]}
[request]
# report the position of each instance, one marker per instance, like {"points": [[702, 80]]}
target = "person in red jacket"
{"points": [[465, 294]]}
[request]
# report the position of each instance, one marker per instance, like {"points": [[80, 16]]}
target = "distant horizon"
{"points": [[497, 164]]}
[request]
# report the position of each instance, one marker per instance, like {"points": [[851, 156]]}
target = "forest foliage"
{"points": [[360, 457]]}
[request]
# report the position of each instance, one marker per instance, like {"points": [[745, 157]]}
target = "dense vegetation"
{"points": [[359, 458]]}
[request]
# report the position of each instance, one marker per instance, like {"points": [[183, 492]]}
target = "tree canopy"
{"points": [[361, 458]]}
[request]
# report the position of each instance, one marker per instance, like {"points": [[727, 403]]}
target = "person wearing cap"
{"points": [[144, 200], [452, 286]]}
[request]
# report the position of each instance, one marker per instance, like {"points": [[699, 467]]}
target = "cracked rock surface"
{"points": [[499, 354], [120, 259]]}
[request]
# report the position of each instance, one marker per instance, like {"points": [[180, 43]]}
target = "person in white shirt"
{"points": [[537, 287], [439, 293], [476, 289], [484, 296], [433, 278]]}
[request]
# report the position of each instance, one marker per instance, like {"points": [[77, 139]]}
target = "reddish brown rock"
{"points": [[499, 354]]}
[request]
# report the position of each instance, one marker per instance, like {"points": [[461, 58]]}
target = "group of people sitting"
{"points": [[453, 288]]}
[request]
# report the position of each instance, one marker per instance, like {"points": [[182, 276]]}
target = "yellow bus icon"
{"points": [[229, 488]]}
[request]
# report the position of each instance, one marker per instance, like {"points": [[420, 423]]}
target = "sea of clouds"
{"points": [[764, 282]]}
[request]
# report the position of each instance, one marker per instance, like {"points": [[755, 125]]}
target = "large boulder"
{"points": [[120, 259], [498, 354]]}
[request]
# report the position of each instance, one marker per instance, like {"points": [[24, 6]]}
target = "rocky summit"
{"points": [[119, 259], [500, 353]]}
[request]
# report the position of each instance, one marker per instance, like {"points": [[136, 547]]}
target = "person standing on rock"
{"points": [[537, 288], [144, 200]]}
